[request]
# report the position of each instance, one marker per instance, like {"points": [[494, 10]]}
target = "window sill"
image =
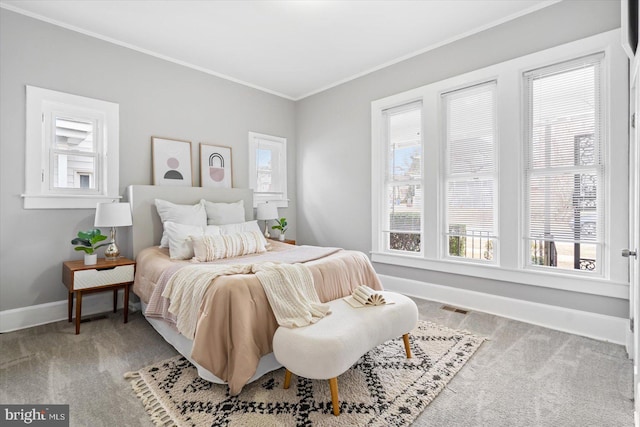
{"points": [[554, 280], [65, 201]]}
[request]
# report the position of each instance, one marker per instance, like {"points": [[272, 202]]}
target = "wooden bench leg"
{"points": [[287, 378], [407, 348], [333, 385]]}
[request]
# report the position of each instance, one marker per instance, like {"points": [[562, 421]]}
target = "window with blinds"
{"points": [[402, 226], [564, 166], [470, 176]]}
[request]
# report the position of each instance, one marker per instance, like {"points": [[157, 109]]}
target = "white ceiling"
{"points": [[288, 48]]}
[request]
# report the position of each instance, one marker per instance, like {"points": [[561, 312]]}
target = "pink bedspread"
{"points": [[235, 323]]}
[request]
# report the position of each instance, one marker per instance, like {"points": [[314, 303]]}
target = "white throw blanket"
{"points": [[291, 294], [186, 288], [289, 289]]}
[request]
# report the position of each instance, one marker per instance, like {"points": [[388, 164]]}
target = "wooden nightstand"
{"points": [[287, 241], [103, 276]]}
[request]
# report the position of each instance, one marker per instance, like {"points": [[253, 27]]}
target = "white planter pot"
{"points": [[90, 259], [281, 238]]}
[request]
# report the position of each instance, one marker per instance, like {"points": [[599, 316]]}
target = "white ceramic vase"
{"points": [[281, 238], [90, 259]]}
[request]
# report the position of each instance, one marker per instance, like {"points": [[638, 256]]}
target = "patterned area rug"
{"points": [[383, 388]]}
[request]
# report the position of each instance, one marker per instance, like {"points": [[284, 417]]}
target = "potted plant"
{"points": [[282, 226], [87, 242]]}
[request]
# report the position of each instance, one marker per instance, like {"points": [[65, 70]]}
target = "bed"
{"points": [[232, 343]]}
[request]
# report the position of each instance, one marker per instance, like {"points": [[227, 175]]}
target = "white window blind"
{"points": [[564, 164], [403, 189], [470, 193]]}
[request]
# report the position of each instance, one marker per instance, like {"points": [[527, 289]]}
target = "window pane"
{"points": [[68, 170], [564, 165], [563, 108], [471, 127], [405, 217], [405, 145], [263, 158], [563, 207], [74, 134]]}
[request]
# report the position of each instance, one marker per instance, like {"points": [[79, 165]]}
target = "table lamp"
{"points": [[113, 215], [266, 212]]}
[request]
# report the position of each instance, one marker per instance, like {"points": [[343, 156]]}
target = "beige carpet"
{"points": [[383, 388]]}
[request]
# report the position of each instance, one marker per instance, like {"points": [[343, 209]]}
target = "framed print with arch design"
{"points": [[215, 166], [171, 162]]}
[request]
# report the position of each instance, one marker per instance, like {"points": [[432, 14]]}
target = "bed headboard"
{"points": [[147, 228]]}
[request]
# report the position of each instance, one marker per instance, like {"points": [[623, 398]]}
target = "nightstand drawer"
{"points": [[101, 277]]}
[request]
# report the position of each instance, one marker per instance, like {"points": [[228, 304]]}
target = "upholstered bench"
{"points": [[328, 348]]}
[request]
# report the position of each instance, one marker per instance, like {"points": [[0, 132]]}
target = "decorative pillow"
{"points": [[180, 214], [180, 244], [241, 227], [210, 248], [224, 213]]}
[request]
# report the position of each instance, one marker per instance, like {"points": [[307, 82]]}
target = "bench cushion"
{"points": [[329, 347]]}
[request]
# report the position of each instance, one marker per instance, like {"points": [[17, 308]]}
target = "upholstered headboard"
{"points": [[147, 228]]}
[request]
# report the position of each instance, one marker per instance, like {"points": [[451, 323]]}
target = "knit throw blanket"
{"points": [[291, 294], [289, 289]]}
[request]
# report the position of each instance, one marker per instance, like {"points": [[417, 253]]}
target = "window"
{"points": [[565, 165], [72, 150], [470, 179], [515, 172], [403, 208], [268, 169]]}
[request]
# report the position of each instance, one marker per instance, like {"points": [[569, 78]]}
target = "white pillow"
{"points": [[210, 248], [180, 214], [224, 213], [179, 238], [242, 227]]}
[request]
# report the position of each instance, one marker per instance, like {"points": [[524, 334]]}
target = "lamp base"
{"points": [[111, 253]]}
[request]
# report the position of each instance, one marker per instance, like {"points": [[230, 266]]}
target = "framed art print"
{"points": [[215, 166], [171, 162]]}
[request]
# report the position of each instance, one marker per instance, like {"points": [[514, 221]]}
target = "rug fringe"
{"points": [[158, 414]]}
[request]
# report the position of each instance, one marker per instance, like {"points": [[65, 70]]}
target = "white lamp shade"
{"points": [[267, 211], [113, 215]]}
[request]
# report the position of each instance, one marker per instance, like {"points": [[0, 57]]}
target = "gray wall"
{"points": [[156, 98], [334, 140]]}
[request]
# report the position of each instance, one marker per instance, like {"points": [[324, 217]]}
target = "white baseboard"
{"points": [[26, 317], [592, 325]]}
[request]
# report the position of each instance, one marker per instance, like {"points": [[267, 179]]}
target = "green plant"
{"points": [[281, 225], [86, 241]]}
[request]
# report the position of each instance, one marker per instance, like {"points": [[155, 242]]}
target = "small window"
{"points": [[72, 150], [268, 169]]}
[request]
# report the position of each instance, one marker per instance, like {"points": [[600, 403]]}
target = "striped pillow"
{"points": [[210, 248]]}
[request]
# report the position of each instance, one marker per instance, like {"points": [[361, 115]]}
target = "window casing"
{"points": [[71, 150], [511, 250], [268, 169], [565, 184]]}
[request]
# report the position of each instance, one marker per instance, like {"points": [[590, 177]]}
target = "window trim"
{"points": [[511, 180], [37, 194], [599, 168], [280, 202]]}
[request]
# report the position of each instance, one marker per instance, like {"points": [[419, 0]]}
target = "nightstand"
{"points": [[287, 241], [104, 276]]}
